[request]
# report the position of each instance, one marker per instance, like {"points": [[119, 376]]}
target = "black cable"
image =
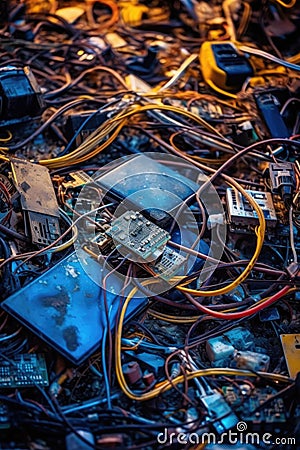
{"points": [[84, 123], [13, 234], [146, 330], [51, 119], [6, 254], [71, 427]]}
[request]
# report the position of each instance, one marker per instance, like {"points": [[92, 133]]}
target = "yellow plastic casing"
{"points": [[209, 67], [236, 68]]}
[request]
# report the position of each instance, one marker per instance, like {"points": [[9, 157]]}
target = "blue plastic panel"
{"points": [[65, 307]]}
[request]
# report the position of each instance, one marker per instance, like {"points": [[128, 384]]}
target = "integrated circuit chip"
{"points": [[170, 264], [137, 236]]}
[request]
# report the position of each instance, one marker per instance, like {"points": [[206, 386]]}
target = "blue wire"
{"points": [[67, 149], [104, 369]]}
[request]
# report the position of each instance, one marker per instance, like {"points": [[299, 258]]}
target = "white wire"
{"points": [[292, 241], [178, 73], [257, 52], [290, 100]]}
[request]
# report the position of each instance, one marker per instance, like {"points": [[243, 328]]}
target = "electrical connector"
{"points": [[219, 412], [282, 178], [223, 66], [268, 104], [293, 269]]}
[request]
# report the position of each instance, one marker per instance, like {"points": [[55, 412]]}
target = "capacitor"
{"points": [[132, 372], [149, 378]]}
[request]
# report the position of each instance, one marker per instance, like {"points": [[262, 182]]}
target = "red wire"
{"points": [[7, 196], [248, 312], [5, 191]]}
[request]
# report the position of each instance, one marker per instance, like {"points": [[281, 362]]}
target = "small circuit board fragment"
{"points": [[24, 370], [170, 264], [242, 214], [134, 234]]}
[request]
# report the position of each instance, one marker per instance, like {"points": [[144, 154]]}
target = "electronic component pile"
{"points": [[149, 224]]}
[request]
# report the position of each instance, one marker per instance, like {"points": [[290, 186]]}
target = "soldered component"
{"points": [[231, 349], [132, 372], [248, 405], [219, 349], [138, 236], [78, 179], [23, 370], [170, 264], [218, 412], [242, 214]]}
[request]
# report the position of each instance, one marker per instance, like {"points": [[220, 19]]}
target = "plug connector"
{"points": [[219, 412], [282, 178]]}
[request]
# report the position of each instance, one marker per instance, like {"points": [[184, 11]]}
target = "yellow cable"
{"points": [[191, 95], [212, 85], [102, 147], [287, 5], [86, 150], [76, 157], [136, 346], [260, 232], [172, 319], [8, 138], [90, 252], [244, 20], [214, 161], [174, 109], [166, 385], [294, 59]]}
